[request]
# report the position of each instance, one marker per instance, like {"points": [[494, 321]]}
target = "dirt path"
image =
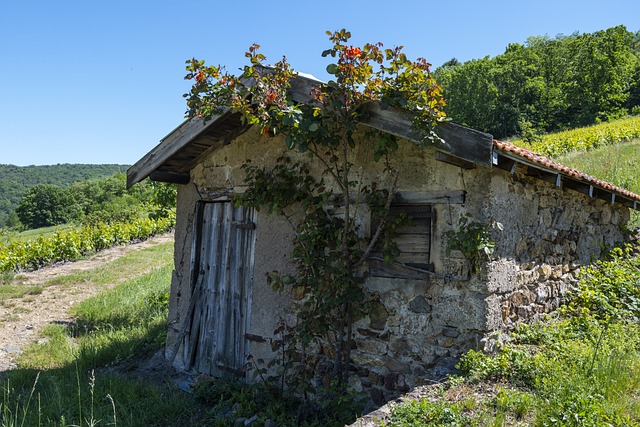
{"points": [[22, 319]]}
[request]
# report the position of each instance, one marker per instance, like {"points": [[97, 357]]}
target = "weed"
{"points": [[422, 413]]}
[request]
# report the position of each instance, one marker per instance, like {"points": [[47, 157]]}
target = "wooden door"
{"points": [[223, 263]]}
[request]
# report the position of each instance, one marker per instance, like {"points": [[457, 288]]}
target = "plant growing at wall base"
{"points": [[473, 240], [330, 250]]}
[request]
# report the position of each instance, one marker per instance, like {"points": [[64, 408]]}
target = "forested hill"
{"points": [[15, 180], [546, 84]]}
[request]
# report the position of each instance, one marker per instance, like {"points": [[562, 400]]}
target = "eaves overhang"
{"points": [[178, 152]]}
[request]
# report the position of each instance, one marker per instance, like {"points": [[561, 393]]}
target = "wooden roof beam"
{"points": [[168, 146], [170, 177]]}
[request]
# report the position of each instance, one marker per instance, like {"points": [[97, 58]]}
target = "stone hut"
{"points": [[555, 219]]}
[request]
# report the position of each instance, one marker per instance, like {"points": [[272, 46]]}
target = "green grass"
{"points": [[10, 290], [72, 372], [618, 164]]}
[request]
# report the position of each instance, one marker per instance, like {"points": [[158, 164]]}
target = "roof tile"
{"points": [[533, 157]]}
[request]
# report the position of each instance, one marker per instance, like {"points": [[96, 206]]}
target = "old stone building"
{"points": [[554, 220]]}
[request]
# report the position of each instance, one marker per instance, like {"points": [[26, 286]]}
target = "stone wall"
{"points": [[553, 232], [418, 329]]}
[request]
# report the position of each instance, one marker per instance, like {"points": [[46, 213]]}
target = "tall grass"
{"points": [[75, 365], [618, 164]]}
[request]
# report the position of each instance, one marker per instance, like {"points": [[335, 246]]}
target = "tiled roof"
{"points": [[549, 164]]}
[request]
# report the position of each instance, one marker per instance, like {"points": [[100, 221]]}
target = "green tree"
{"points": [[601, 68], [163, 199], [45, 205], [472, 96], [16, 180], [108, 200], [546, 84]]}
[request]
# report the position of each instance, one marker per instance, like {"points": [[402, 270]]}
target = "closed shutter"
{"points": [[413, 240]]}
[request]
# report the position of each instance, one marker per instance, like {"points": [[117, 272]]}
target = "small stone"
{"points": [[542, 294], [372, 346], [355, 383], [419, 305], [377, 396], [390, 381], [397, 367], [368, 333], [250, 421], [451, 332], [376, 378], [527, 265], [378, 315], [516, 298], [544, 271]]}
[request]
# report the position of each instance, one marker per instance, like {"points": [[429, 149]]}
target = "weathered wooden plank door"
{"points": [[225, 241]]}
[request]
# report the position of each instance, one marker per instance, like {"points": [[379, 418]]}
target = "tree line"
{"points": [[105, 200], [546, 84], [16, 180]]}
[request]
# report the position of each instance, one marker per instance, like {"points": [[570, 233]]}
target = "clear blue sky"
{"points": [[102, 81]]}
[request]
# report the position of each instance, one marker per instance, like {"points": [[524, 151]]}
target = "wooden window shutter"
{"points": [[414, 242]]}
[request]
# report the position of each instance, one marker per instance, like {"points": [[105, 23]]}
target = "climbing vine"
{"points": [[472, 238], [330, 247]]}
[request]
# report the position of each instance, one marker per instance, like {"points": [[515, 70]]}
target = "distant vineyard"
{"points": [[30, 254], [586, 138]]}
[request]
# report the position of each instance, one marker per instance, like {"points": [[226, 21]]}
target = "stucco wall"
{"points": [[181, 278]]}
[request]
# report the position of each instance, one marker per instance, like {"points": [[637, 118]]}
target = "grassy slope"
{"points": [[618, 164]]}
